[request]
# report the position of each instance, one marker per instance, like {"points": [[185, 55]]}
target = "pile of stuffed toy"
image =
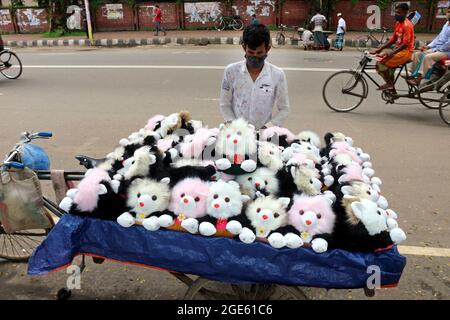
{"points": [[272, 185]]}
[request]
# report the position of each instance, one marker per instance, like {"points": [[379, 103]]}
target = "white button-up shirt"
{"points": [[241, 97]]}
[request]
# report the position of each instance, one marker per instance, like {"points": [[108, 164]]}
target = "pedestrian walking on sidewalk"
{"points": [[157, 19], [340, 32]]}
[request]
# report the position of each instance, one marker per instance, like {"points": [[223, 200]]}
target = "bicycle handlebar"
{"points": [[14, 164]]}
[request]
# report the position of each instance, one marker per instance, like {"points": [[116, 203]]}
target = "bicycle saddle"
{"points": [[88, 162]]}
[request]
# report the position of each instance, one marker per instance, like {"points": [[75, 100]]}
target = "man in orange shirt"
{"points": [[403, 39]]}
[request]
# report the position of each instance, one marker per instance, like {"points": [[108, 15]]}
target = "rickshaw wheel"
{"points": [[205, 289], [19, 246]]}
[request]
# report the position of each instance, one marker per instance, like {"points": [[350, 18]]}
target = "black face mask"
{"points": [[255, 62], [399, 18]]}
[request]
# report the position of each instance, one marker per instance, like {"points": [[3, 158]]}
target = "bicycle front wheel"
{"points": [[280, 40], [344, 91], [444, 107], [363, 44], [238, 24], [10, 65]]}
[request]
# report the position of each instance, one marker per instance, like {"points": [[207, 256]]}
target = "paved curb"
{"points": [[156, 41]]}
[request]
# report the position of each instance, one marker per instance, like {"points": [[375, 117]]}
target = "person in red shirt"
{"points": [[403, 39], [157, 20]]}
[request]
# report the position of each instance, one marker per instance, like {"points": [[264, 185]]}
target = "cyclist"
{"points": [[429, 54], [403, 39], [253, 87]]}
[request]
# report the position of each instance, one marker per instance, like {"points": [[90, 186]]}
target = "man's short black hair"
{"points": [[256, 35], [403, 6], [156, 5]]}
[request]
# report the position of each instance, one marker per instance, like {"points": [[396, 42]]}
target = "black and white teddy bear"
{"points": [[236, 148], [96, 196], [266, 215], [362, 226], [262, 179], [146, 198], [224, 206]]}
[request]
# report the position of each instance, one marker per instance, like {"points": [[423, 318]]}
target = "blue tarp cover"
{"points": [[216, 258]]}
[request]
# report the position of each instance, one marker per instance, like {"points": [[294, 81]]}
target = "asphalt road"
{"points": [[90, 98]]}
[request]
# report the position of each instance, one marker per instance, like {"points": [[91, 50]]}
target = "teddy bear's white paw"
{"points": [[319, 245], [397, 235], [287, 154], [223, 164], [115, 184], [391, 223], [66, 204], [328, 180], [190, 224], [234, 227], [247, 236], [126, 220], [173, 153], [207, 229], [151, 223], [248, 165], [71, 193], [382, 203], [293, 241], [165, 221], [276, 240]]}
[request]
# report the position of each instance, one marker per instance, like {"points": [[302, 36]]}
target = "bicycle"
{"points": [[19, 246], [10, 64], [286, 32], [444, 105], [370, 41], [227, 22], [353, 84]]}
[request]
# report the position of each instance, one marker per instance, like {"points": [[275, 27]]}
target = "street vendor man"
{"points": [[253, 88], [403, 39]]}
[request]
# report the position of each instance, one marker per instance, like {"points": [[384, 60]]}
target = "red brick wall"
{"points": [[32, 20], [6, 24], [294, 12], [169, 10], [204, 18], [356, 14], [102, 23], [265, 11]]}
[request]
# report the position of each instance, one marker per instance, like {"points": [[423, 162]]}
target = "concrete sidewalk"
{"points": [[135, 38]]}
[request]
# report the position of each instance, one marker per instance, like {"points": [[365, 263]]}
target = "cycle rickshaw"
{"points": [[345, 90]]}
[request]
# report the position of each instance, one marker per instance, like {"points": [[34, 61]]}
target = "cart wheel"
{"points": [[203, 288], [19, 246], [64, 294], [98, 260], [370, 293]]}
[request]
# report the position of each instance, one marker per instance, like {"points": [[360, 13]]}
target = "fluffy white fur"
{"points": [[144, 197], [262, 179], [311, 137], [236, 137], [270, 155]]}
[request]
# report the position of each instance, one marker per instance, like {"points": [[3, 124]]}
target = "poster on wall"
{"points": [[261, 8], [442, 9], [5, 17], [395, 3], [114, 11], [202, 12]]}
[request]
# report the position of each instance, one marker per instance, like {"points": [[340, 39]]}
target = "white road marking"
{"points": [[1, 94], [424, 251], [169, 67], [207, 99]]}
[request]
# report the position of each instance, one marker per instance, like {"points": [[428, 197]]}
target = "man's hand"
{"points": [[377, 51], [424, 48]]}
